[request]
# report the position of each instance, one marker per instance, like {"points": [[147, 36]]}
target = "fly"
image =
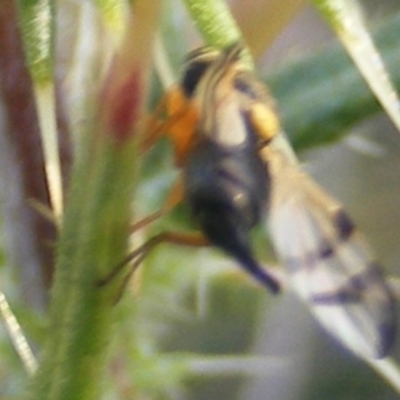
{"points": [[238, 171]]}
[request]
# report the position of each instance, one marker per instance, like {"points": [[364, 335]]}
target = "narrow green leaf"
{"points": [[37, 23], [322, 96], [345, 18]]}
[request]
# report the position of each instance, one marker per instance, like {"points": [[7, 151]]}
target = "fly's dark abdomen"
{"points": [[227, 190]]}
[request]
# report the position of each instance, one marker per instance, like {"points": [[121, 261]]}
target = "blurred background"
{"points": [[197, 303]]}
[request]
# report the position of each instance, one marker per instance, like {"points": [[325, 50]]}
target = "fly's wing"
{"points": [[330, 265]]}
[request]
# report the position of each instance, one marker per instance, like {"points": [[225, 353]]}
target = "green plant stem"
{"points": [[92, 241], [214, 20]]}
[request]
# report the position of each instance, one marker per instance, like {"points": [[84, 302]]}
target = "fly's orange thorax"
{"points": [[182, 130]]}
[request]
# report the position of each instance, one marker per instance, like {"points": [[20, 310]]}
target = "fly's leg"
{"points": [[137, 256], [180, 128], [174, 197]]}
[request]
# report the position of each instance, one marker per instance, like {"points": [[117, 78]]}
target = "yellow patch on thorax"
{"points": [[264, 120]]}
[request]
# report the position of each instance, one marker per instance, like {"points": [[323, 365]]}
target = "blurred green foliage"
{"points": [[172, 319]]}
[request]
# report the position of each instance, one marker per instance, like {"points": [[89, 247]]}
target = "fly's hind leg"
{"points": [[175, 196], [133, 260], [139, 254], [136, 257], [181, 121]]}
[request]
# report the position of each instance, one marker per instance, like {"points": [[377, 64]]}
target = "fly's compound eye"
{"points": [[195, 67], [192, 75]]}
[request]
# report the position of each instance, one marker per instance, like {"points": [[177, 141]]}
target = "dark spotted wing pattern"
{"points": [[331, 266]]}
